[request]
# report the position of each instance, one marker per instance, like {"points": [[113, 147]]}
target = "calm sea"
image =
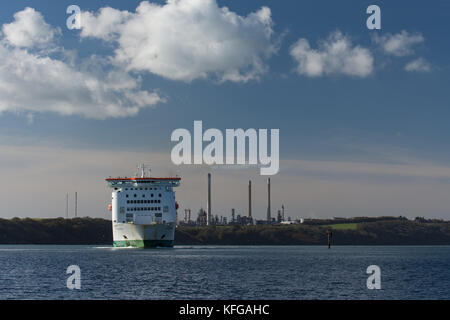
{"points": [[225, 272]]}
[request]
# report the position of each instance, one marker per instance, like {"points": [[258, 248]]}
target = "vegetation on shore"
{"points": [[365, 231]]}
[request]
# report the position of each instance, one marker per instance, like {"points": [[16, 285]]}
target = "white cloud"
{"points": [[29, 82], [399, 44], [29, 29], [335, 55], [33, 81], [187, 39], [105, 24], [419, 65]]}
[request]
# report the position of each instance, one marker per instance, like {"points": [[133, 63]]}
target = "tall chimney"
{"points": [[67, 205], [268, 201], [208, 204], [76, 204], [250, 199]]}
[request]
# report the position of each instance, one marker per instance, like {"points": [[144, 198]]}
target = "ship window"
{"points": [[135, 195], [143, 196], [152, 195], [160, 195], [127, 196]]}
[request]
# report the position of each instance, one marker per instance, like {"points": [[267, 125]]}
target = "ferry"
{"points": [[144, 211]]}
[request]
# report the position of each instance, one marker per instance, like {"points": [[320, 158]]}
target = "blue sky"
{"points": [[389, 116]]}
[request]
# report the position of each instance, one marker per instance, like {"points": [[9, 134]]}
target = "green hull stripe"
{"points": [[143, 243]]}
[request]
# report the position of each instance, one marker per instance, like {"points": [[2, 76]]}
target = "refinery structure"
{"points": [[207, 218], [143, 210]]}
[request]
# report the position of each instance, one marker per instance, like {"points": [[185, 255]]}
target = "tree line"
{"points": [[95, 231]]}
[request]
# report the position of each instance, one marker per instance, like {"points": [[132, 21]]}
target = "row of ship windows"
{"points": [[143, 196], [141, 189], [138, 189], [143, 201], [145, 209]]}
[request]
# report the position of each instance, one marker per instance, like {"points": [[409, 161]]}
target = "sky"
{"points": [[362, 114]]}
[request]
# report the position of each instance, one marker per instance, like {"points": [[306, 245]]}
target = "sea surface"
{"points": [[225, 272]]}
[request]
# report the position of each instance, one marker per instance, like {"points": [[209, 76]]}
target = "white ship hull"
{"points": [[143, 236]]}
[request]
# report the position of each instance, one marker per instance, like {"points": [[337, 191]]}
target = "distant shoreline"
{"points": [[372, 231]]}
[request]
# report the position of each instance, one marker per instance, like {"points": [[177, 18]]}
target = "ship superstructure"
{"points": [[143, 211]]}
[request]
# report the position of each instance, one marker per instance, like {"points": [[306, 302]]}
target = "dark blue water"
{"points": [[212, 272]]}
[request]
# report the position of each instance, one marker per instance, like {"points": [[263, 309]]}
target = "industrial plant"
{"points": [[207, 218]]}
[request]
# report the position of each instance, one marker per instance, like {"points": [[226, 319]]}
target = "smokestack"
{"points": [[208, 204], [250, 199], [76, 204], [282, 211], [189, 215], [268, 201], [67, 205]]}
